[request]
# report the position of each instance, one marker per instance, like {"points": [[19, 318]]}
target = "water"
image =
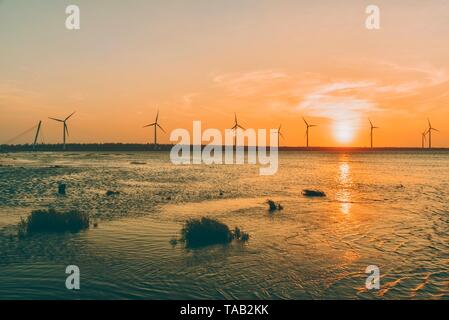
{"points": [[388, 209]]}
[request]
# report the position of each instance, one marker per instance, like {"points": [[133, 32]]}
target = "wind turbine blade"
{"points": [[239, 126], [305, 121], [149, 125], [157, 116], [282, 136], [66, 129], [161, 128], [69, 116], [235, 118], [56, 119]]}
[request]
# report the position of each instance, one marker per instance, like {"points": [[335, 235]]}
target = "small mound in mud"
{"points": [[313, 193], [110, 193], [48, 221]]}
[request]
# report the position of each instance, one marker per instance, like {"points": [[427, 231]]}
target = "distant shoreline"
{"points": [[130, 147]]}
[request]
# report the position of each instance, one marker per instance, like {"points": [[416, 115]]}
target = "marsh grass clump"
{"points": [[206, 231], [49, 221]]}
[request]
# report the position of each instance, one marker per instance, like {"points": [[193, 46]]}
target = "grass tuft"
{"points": [[48, 221], [206, 231]]}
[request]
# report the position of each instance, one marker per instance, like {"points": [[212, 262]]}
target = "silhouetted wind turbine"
{"points": [[430, 133], [156, 125], [371, 132], [280, 134], [307, 130], [423, 138], [65, 129], [235, 127]]}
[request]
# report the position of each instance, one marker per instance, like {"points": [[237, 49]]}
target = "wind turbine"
{"points": [[307, 130], [37, 133], [423, 138], [156, 125], [430, 133], [280, 135], [65, 129], [235, 127], [371, 132]]}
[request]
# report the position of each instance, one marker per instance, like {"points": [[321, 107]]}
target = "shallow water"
{"points": [[388, 209]]}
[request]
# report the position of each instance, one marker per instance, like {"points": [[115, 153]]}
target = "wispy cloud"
{"points": [[339, 101], [352, 100], [250, 83]]}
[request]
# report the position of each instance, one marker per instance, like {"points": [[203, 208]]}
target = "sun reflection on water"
{"points": [[344, 193]]}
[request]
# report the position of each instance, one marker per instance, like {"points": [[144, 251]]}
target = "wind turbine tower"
{"points": [[156, 125], [430, 133], [65, 129], [235, 127], [423, 138], [307, 130], [371, 132], [280, 135]]}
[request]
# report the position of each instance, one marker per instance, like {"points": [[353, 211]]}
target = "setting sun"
{"points": [[343, 132]]}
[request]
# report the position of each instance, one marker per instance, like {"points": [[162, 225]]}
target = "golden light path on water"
{"points": [[344, 179]]}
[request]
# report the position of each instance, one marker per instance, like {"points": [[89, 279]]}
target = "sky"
{"points": [[272, 62]]}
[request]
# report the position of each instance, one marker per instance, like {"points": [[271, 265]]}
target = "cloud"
{"points": [[352, 100], [250, 83], [426, 75], [339, 101]]}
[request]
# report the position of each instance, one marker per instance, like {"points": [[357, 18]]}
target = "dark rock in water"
{"points": [[221, 193], [244, 237], [137, 162], [112, 193], [313, 193], [174, 242], [61, 188], [273, 206]]}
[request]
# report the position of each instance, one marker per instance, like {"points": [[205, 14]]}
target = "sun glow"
{"points": [[343, 132]]}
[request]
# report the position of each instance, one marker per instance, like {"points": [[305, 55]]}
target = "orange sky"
{"points": [[270, 61]]}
